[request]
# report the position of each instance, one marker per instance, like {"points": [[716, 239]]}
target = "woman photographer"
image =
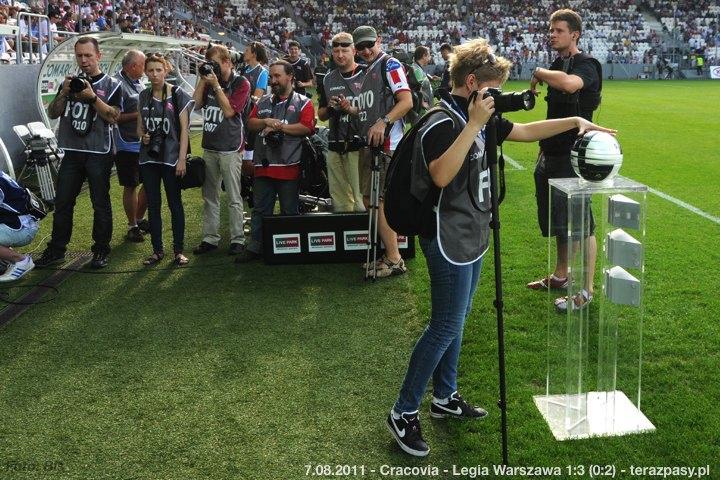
{"points": [[453, 146], [163, 130]]}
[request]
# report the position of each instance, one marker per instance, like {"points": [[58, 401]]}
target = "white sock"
{"points": [[396, 415], [443, 401]]}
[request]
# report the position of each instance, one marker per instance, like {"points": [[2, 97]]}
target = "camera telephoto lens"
{"points": [[155, 146], [511, 101], [77, 84]]}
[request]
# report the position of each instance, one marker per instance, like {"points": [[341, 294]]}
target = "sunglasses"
{"points": [[364, 46], [490, 59], [342, 44]]}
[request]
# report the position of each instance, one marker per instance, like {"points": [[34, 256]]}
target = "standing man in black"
{"points": [[86, 117], [303, 72], [574, 84]]}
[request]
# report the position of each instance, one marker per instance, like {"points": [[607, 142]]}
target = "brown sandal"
{"points": [[153, 259], [180, 260]]}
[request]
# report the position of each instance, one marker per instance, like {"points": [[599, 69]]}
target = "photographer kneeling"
{"points": [[283, 119], [453, 148], [163, 131]]}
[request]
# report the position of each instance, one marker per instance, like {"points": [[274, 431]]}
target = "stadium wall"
{"points": [[18, 84]]}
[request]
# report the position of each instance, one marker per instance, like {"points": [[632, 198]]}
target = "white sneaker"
{"points": [[16, 270]]}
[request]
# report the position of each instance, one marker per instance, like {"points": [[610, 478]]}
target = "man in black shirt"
{"points": [[303, 73], [85, 133], [574, 84]]}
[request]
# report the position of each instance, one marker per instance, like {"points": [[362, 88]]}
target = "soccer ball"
{"points": [[596, 156]]}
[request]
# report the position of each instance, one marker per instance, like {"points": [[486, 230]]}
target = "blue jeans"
{"points": [[74, 169], [265, 191], [152, 174], [437, 352]]}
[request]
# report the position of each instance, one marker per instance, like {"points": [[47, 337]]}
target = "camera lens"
{"points": [[155, 146], [77, 84]]}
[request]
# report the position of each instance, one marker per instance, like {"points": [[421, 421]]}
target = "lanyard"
{"points": [[456, 108]]}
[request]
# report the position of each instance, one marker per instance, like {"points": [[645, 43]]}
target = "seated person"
{"points": [[17, 228]]}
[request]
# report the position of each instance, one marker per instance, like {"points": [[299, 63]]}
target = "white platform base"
{"points": [[592, 414]]}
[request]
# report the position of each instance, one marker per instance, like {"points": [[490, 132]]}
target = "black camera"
{"points": [[510, 101], [343, 146], [155, 146], [77, 83], [274, 139], [209, 67]]}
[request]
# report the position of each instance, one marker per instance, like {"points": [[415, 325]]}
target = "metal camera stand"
{"points": [[496, 169], [373, 214]]}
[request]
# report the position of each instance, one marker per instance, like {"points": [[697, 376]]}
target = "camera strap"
{"points": [[176, 109]]}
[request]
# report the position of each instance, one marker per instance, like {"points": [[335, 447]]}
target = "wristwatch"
{"points": [[386, 120], [535, 71]]}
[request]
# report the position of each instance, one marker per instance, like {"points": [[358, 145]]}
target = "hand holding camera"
{"points": [[480, 108]]}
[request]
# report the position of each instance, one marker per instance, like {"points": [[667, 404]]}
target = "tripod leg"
{"points": [[376, 213]]}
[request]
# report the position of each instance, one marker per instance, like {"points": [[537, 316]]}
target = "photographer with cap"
{"points": [[574, 85], [282, 119], [88, 107], [222, 95], [127, 144], [383, 101], [452, 146], [304, 78], [338, 94]]}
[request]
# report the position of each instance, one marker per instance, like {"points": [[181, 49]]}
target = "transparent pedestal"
{"points": [[594, 349]]}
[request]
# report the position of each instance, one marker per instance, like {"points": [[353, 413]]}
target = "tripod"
{"points": [[373, 213], [497, 168]]}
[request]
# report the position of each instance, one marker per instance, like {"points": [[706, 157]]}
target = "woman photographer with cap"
{"points": [[163, 131], [452, 144]]}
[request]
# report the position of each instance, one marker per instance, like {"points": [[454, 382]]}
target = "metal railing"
{"points": [[41, 43]]}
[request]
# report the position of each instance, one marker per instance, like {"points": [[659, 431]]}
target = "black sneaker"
{"points": [[247, 256], [100, 260], [48, 258], [204, 247], [144, 225], [236, 248], [455, 408], [134, 234], [406, 432]]}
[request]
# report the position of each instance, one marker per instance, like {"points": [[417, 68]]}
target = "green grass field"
{"points": [[256, 372]]}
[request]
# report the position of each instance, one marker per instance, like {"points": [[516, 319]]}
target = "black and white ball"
{"points": [[596, 156]]}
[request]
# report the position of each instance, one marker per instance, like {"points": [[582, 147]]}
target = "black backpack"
{"points": [[410, 197], [313, 175], [34, 206]]}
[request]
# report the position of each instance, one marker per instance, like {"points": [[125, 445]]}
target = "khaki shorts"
{"points": [[365, 163]]}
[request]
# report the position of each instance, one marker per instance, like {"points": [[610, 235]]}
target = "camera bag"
{"points": [[194, 166], [410, 193]]}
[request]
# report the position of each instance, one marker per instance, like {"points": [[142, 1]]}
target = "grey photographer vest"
{"points": [[80, 115], [463, 231], [343, 125], [153, 120], [288, 110], [222, 134], [130, 93], [375, 100], [252, 75]]}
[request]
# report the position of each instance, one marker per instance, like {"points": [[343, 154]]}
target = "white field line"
{"points": [[660, 194], [512, 162], [684, 205]]}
